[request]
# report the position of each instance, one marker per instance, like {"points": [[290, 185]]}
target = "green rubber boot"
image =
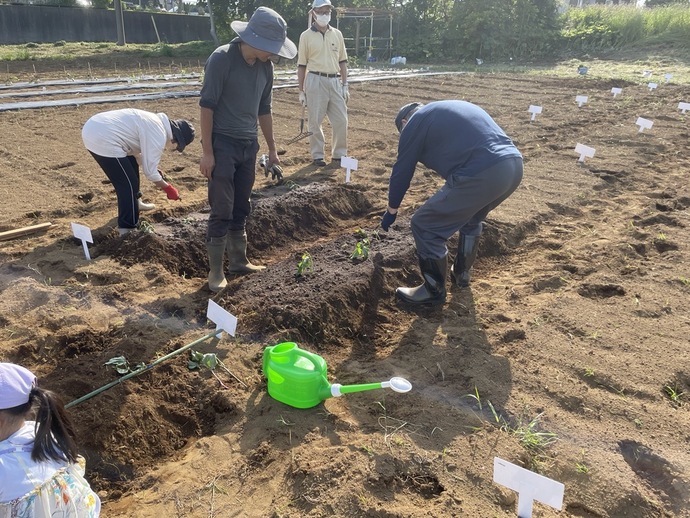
{"points": [[216, 251], [237, 253]]}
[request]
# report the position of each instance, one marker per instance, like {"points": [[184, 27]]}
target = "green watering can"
{"points": [[298, 378]]}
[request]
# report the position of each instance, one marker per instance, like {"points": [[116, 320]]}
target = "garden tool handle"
{"points": [[349, 389], [301, 121]]}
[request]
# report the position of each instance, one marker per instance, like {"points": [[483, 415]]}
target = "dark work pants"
{"points": [[123, 173], [231, 183], [462, 204]]}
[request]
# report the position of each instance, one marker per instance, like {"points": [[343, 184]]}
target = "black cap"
{"points": [[404, 112], [183, 133]]}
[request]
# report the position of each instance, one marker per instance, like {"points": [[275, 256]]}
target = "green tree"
{"points": [[422, 29], [663, 3], [479, 29]]}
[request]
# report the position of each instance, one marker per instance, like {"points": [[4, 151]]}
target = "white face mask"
{"points": [[322, 19]]}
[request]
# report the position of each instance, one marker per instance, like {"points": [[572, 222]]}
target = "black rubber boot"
{"points": [[433, 291], [467, 253]]}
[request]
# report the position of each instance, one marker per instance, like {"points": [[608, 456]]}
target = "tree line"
{"points": [[465, 30]]}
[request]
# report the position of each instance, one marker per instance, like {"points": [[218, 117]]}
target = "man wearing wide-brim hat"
{"points": [[238, 80]]}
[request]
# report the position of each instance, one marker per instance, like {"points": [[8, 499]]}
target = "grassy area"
{"points": [[67, 51]]}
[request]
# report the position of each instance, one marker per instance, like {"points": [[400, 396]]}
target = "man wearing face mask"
{"points": [[322, 77]]}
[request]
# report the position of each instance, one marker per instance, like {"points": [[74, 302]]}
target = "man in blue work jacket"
{"points": [[481, 166]]}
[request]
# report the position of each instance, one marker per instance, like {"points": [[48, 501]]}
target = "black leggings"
{"points": [[123, 173]]}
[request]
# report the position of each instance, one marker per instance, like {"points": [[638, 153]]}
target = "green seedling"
{"points": [[361, 250], [530, 437], [122, 366], [675, 394], [581, 465], [211, 362], [146, 227], [368, 450], [305, 265]]}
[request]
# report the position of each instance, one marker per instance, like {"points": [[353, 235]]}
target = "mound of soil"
{"points": [[574, 327]]}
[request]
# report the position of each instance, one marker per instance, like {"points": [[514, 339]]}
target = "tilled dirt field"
{"points": [[575, 325]]}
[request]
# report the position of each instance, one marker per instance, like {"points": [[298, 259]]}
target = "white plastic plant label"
{"points": [[350, 164], [83, 233], [585, 152], [580, 100], [224, 320], [644, 124], [534, 110], [529, 486], [616, 91], [652, 86], [683, 107]]}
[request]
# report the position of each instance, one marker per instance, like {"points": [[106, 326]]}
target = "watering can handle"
{"points": [[309, 356]]}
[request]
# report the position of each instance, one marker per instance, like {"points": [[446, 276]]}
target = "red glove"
{"points": [[171, 192]]}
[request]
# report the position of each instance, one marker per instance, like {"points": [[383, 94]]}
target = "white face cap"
{"points": [[16, 383]]}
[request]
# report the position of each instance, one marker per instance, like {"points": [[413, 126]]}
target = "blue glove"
{"points": [[387, 220]]}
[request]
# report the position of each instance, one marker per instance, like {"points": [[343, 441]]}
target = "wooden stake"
{"points": [[23, 231]]}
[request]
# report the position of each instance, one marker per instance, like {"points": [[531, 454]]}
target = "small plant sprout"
{"points": [[674, 393], [146, 227], [661, 236], [361, 250], [589, 372], [684, 281], [498, 419], [122, 366], [285, 422], [581, 465], [368, 450], [530, 437], [211, 362], [305, 265]]}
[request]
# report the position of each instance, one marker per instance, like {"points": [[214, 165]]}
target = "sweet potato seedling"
{"points": [[305, 265]]}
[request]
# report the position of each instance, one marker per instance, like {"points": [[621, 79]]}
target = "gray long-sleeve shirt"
{"points": [[236, 91]]}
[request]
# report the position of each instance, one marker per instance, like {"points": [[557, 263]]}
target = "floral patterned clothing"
{"points": [[45, 489]]}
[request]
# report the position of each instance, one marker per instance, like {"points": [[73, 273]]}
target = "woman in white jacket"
{"points": [[41, 473], [123, 140]]}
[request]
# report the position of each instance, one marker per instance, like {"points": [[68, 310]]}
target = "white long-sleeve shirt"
{"points": [[129, 132]]}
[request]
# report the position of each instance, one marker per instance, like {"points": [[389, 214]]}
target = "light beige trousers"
{"points": [[325, 99]]}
